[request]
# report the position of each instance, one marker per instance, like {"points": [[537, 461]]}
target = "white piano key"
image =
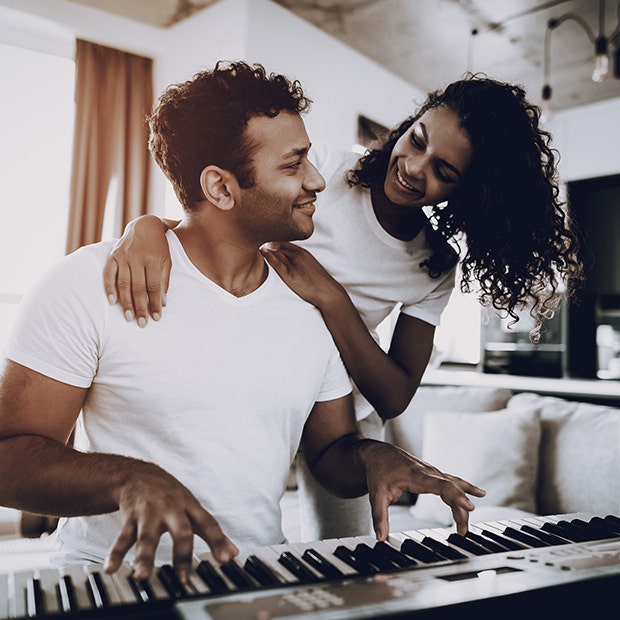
{"points": [[4, 596], [270, 557], [48, 578], [108, 583], [159, 592], [123, 587], [78, 579], [208, 556], [17, 593], [326, 549], [195, 585]]}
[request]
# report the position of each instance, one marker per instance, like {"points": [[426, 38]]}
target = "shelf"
{"points": [[590, 389]]}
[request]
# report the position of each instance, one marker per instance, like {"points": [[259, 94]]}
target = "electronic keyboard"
{"points": [[565, 564]]}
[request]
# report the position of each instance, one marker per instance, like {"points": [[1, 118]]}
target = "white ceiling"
{"points": [[429, 42]]}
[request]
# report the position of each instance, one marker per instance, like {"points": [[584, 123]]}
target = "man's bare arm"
{"points": [[40, 474], [349, 465]]}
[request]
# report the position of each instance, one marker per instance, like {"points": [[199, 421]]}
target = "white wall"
{"points": [[588, 139]]}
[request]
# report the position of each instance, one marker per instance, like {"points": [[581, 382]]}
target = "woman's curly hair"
{"points": [[520, 244], [202, 122]]}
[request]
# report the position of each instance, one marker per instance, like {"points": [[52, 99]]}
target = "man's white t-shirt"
{"points": [[378, 271], [216, 393]]}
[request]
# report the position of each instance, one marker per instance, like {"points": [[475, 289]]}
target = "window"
{"points": [[36, 124]]}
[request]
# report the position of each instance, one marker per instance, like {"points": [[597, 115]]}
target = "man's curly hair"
{"points": [[521, 246], [202, 122]]}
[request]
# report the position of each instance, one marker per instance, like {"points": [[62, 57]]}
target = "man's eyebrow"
{"points": [[443, 161], [296, 152]]}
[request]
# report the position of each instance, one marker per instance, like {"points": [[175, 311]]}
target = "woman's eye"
{"points": [[443, 177], [416, 141]]}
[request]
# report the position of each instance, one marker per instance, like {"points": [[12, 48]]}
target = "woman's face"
{"points": [[429, 161]]}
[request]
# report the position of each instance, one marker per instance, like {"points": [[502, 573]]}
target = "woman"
{"points": [[475, 155]]}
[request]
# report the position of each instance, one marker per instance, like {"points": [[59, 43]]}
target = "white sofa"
{"points": [[532, 454]]}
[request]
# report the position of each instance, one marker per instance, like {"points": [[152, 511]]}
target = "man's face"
{"points": [[280, 204]]}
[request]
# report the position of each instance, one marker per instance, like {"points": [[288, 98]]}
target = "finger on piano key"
{"points": [[17, 593]]}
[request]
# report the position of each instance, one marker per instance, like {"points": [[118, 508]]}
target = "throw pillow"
{"points": [[496, 450]]}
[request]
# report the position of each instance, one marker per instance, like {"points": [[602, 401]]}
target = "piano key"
{"points": [[613, 519], [511, 545], [141, 590], [261, 571], [79, 580], [17, 593], [297, 568], [171, 582], [214, 580], [323, 552], [97, 589], [4, 595], [561, 530], [361, 566], [121, 581], [394, 555], [238, 576], [195, 585], [608, 525], [467, 544], [207, 556], [270, 556], [590, 530], [325, 567], [66, 595], [522, 537], [34, 597], [103, 580], [420, 552], [550, 539], [48, 578], [487, 543]]}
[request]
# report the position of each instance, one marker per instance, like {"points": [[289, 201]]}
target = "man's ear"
{"points": [[218, 186]]}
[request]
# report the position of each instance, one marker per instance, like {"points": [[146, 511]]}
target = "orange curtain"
{"points": [[113, 96]]}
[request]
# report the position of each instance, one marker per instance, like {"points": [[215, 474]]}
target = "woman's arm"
{"points": [[137, 272], [388, 381]]}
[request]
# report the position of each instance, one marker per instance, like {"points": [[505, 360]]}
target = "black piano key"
{"points": [[560, 528], [394, 555], [442, 549], [265, 576], [171, 582], [358, 564], [237, 575], [589, 530], [613, 519], [579, 531], [419, 552], [66, 594], [491, 545], [297, 568], [511, 545], [375, 557], [97, 591], [321, 564], [606, 525], [524, 538], [142, 590], [551, 539], [34, 598], [467, 544], [210, 576]]}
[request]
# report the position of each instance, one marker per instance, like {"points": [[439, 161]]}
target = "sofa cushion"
{"points": [[580, 455], [406, 430], [496, 450]]}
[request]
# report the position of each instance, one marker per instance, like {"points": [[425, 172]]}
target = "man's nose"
{"points": [[314, 181]]}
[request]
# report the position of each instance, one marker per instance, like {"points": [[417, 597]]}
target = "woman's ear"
{"points": [[218, 186]]}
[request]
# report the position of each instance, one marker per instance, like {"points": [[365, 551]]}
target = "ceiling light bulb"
{"points": [[601, 62]]}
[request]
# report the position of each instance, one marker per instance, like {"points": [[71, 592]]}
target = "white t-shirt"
{"points": [[378, 271], [216, 393]]}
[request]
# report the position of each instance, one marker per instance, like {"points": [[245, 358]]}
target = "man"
{"points": [[190, 428]]}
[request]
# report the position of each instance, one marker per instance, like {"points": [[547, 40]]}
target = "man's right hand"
{"points": [[152, 502]]}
